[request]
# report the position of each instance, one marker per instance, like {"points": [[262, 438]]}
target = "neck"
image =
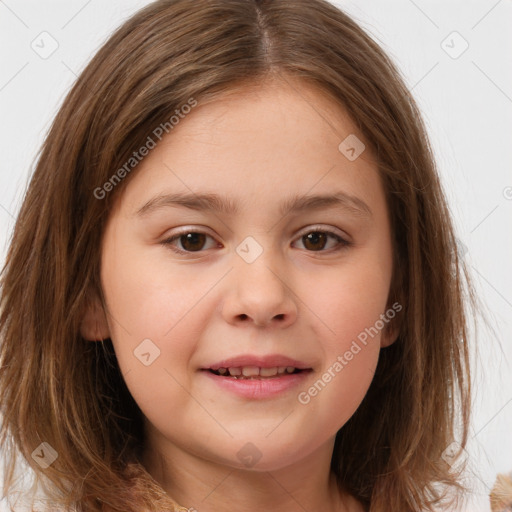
{"points": [[207, 486]]}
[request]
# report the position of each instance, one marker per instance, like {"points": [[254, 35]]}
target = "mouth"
{"points": [[257, 382], [257, 372], [258, 377]]}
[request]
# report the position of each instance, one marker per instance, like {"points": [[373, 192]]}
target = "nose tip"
{"points": [[260, 296], [257, 321]]}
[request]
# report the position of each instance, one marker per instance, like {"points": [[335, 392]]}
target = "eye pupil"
{"points": [[193, 241], [314, 238]]}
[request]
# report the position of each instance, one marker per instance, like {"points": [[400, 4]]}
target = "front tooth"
{"points": [[250, 371], [268, 372], [281, 369], [235, 371]]}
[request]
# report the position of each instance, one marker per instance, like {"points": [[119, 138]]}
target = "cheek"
{"points": [[351, 306], [351, 355], [154, 335], [146, 294], [350, 300], [147, 302]]}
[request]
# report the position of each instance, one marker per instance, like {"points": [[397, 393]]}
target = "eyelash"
{"points": [[342, 243]]}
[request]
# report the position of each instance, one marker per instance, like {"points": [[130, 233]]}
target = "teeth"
{"points": [[268, 372], [255, 371], [250, 371]]}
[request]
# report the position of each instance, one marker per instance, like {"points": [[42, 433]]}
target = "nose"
{"points": [[259, 293]]}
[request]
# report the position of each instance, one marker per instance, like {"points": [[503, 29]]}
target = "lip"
{"points": [[259, 389], [269, 361]]}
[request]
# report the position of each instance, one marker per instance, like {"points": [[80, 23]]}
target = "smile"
{"points": [[252, 372], [255, 383]]}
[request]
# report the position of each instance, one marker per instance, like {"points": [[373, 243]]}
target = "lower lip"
{"points": [[258, 389]]}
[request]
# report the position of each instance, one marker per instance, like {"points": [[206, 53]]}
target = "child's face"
{"points": [[306, 298]]}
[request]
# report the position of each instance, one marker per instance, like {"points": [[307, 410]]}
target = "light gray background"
{"points": [[467, 104]]}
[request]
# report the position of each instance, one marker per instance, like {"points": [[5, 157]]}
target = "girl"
{"points": [[235, 270]]}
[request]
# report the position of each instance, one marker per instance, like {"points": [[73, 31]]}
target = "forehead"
{"points": [[279, 139]]}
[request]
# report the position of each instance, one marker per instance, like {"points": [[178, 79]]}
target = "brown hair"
{"points": [[59, 389]]}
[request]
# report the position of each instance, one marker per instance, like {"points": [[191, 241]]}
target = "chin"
{"points": [[260, 455]]}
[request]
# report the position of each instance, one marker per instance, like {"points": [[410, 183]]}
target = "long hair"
{"points": [[398, 450]]}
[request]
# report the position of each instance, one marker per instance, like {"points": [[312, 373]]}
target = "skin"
{"points": [[309, 302]]}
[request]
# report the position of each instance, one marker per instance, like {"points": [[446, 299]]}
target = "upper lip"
{"points": [[269, 361]]}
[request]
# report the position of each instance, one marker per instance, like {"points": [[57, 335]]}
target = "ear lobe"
{"points": [[94, 325], [390, 335]]}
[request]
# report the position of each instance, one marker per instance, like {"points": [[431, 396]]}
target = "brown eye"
{"points": [[192, 241], [188, 242], [315, 241], [318, 241]]}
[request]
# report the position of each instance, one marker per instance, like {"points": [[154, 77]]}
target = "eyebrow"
{"points": [[221, 205]]}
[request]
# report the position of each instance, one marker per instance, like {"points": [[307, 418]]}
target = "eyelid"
{"points": [[334, 232], [191, 229], [183, 231], [343, 241], [325, 229], [302, 232]]}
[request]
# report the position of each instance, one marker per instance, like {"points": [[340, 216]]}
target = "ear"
{"points": [[390, 334], [94, 325], [394, 307]]}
